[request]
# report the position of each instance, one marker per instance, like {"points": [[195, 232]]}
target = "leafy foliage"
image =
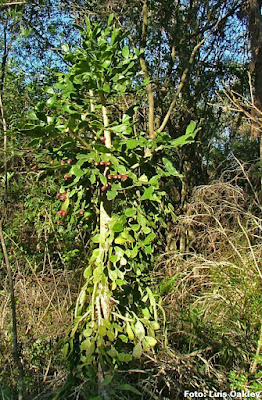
{"points": [[127, 175]]}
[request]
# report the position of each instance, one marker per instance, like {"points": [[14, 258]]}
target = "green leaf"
{"points": [[155, 325], [139, 330], [117, 223], [147, 193], [130, 212], [119, 252], [88, 272], [120, 240], [106, 64], [82, 157], [97, 274], [111, 194], [188, 137], [154, 180], [135, 227], [65, 349], [170, 168], [133, 253], [118, 128], [151, 341], [34, 142], [128, 387], [137, 350], [124, 237], [125, 52], [97, 238], [103, 179], [75, 170], [143, 179], [65, 204], [65, 48], [106, 88], [121, 169], [141, 220], [117, 227], [149, 238], [113, 258], [113, 273], [107, 380], [148, 249], [112, 352], [50, 90], [129, 331], [123, 357], [92, 179], [191, 127], [124, 338], [147, 230], [88, 346], [51, 101], [131, 143], [123, 261], [32, 115], [110, 19], [114, 35]]}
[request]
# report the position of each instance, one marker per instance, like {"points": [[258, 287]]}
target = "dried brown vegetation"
{"points": [[211, 293], [43, 303]]}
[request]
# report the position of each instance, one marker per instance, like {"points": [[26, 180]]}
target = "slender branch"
{"points": [[16, 354], [107, 133], [144, 68], [186, 70], [80, 140], [103, 308], [254, 365], [47, 44], [238, 103], [13, 3], [74, 12]]}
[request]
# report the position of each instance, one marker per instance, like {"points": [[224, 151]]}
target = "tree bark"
{"points": [[16, 353], [255, 33], [150, 96], [103, 300]]}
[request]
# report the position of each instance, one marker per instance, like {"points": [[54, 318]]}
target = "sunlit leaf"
{"points": [[169, 167], [139, 330], [125, 52], [137, 350]]}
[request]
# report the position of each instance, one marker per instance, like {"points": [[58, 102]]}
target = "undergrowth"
{"points": [[211, 295]]}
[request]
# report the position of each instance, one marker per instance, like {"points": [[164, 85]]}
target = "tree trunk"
{"points": [[16, 353], [255, 33], [103, 300]]}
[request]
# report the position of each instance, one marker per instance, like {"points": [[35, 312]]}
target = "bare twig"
{"points": [[186, 70]]}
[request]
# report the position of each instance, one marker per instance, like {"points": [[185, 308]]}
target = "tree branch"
{"points": [[4, 211], [186, 70], [149, 90]]}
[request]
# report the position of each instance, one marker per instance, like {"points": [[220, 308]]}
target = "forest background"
{"points": [[130, 198]]}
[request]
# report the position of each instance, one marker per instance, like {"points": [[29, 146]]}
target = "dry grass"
{"points": [[43, 315], [212, 293]]}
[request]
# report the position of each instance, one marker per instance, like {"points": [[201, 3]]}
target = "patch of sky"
{"points": [[40, 32]]}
